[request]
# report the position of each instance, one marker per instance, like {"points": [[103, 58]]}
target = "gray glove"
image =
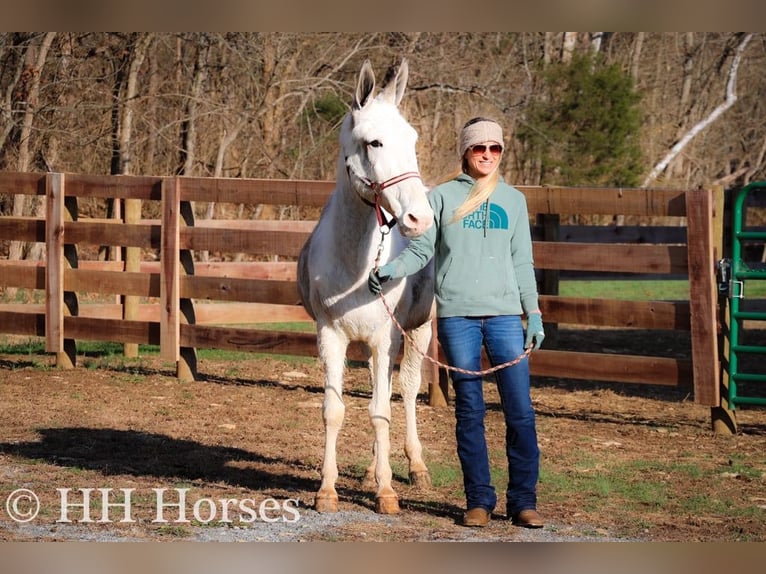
{"points": [[535, 333], [379, 276]]}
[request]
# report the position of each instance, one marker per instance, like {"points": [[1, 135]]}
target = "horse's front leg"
{"points": [[332, 353], [369, 473], [410, 377], [386, 499]]}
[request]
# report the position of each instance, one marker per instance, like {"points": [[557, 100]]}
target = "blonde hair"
{"points": [[480, 193]]}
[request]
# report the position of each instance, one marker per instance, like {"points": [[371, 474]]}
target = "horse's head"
{"points": [[378, 148]]}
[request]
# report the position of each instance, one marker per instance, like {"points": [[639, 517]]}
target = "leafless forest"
{"points": [[268, 105]]}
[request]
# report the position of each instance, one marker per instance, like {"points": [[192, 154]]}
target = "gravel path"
{"points": [[311, 526]]}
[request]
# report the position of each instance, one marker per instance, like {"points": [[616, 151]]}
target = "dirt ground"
{"points": [[619, 462]]}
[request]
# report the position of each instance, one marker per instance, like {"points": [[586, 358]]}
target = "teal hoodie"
{"points": [[483, 262]]}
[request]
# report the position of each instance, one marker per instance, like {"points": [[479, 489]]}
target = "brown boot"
{"points": [[528, 518], [476, 517]]}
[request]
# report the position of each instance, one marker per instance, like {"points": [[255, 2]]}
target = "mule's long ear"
{"points": [[394, 90], [365, 85], [401, 80]]}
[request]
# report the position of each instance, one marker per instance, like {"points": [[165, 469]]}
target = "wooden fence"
{"points": [[164, 295]]}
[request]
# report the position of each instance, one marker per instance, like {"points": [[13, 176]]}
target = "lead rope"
{"points": [[436, 362]]}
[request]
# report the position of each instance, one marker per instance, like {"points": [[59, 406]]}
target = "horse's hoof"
{"points": [[388, 504], [325, 503], [420, 479]]}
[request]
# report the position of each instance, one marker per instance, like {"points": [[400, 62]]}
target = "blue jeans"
{"points": [[502, 336]]}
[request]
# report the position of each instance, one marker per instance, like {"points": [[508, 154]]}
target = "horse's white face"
{"points": [[378, 145]]}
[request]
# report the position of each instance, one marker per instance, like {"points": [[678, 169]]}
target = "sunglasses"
{"points": [[479, 149]]}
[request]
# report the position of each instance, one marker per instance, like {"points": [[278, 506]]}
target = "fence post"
{"points": [[187, 364], [132, 258], [174, 309], [703, 295], [549, 230], [169, 271], [58, 302], [723, 419]]}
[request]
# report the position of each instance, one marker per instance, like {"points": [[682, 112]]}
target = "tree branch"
{"points": [[731, 97]]}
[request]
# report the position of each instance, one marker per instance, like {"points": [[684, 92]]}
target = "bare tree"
{"points": [[189, 123], [635, 58], [729, 98], [568, 46], [15, 68], [35, 58], [596, 41], [268, 104], [129, 102]]}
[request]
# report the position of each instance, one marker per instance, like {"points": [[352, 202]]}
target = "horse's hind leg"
{"points": [[410, 379], [332, 351]]}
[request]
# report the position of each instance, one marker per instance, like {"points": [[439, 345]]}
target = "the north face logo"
{"points": [[498, 218]]}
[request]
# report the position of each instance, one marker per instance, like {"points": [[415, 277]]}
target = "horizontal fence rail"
{"points": [[161, 292]]}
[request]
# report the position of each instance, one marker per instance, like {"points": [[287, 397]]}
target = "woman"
{"points": [[485, 280]]}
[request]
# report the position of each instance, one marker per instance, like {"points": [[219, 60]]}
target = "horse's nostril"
{"points": [[413, 225], [413, 220]]}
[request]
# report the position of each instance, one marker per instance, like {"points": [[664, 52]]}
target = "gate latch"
{"points": [[724, 270], [736, 289], [726, 285]]}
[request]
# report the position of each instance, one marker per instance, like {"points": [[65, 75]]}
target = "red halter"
{"points": [[378, 187]]}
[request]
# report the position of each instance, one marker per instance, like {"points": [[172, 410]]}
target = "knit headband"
{"points": [[482, 131]]}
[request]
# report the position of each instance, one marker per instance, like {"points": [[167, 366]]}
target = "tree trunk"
{"points": [[150, 151], [34, 61], [548, 48], [227, 138], [137, 57], [636, 56], [132, 255], [568, 46], [675, 167], [8, 101], [596, 41], [189, 124]]}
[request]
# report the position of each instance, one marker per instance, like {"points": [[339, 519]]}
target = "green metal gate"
{"points": [[746, 366]]}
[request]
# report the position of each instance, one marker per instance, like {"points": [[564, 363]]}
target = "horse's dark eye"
{"points": [[375, 143]]}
